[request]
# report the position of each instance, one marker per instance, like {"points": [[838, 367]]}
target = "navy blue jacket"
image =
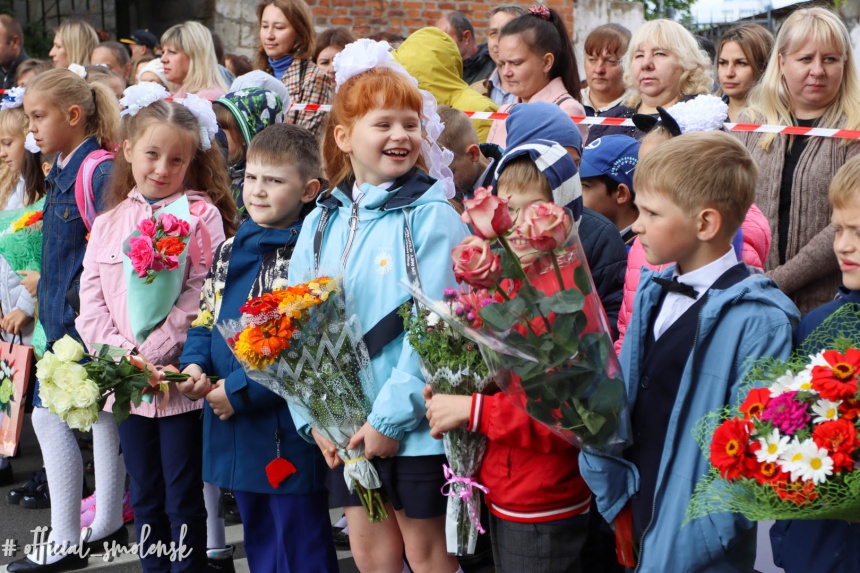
{"points": [[237, 450]]}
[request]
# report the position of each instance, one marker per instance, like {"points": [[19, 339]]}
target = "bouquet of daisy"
{"points": [[547, 339], [76, 391], [452, 364], [789, 450], [300, 343]]}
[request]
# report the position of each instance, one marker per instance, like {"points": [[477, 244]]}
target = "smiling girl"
{"points": [[164, 159], [383, 212]]}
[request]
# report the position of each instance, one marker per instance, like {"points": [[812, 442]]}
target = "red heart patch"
{"points": [[278, 470]]}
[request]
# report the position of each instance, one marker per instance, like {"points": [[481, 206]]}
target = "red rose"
{"points": [[488, 215], [755, 403], [838, 380], [475, 263], [839, 438], [546, 226], [729, 447]]}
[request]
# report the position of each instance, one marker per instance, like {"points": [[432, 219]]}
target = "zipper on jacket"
{"points": [[353, 227], [669, 461]]}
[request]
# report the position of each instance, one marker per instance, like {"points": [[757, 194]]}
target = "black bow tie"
{"points": [[675, 286]]}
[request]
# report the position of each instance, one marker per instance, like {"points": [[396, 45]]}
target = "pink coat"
{"points": [[757, 237], [553, 92], [104, 312]]}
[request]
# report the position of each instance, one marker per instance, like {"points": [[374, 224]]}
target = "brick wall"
{"points": [[236, 22]]}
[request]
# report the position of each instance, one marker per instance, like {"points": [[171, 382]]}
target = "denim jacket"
{"points": [[64, 241]]}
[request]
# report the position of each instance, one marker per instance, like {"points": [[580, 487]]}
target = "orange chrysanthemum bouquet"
{"points": [[790, 450], [300, 343]]}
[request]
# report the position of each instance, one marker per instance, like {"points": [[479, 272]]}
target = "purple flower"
{"points": [[450, 293], [786, 413], [460, 311]]}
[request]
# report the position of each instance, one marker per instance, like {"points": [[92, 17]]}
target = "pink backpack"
{"points": [[84, 197]]}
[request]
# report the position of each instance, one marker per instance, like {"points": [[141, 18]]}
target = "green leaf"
{"points": [[563, 302], [108, 351], [510, 268], [592, 420], [502, 316], [582, 280]]}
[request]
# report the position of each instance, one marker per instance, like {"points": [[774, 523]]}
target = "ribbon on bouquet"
{"points": [[465, 493]]}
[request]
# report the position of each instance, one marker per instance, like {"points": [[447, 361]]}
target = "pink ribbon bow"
{"points": [[464, 493]]}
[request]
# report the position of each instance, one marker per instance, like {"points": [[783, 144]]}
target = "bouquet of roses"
{"points": [[300, 343], [789, 451], [451, 363], [77, 392], [548, 340], [162, 240]]}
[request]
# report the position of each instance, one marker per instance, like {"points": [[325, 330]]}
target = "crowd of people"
{"points": [[705, 248]]}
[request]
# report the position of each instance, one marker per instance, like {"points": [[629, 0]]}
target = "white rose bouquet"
{"points": [[77, 392]]}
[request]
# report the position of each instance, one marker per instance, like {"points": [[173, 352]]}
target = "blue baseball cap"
{"points": [[614, 156]]}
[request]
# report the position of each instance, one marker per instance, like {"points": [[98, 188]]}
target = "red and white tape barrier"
{"points": [[621, 121]]}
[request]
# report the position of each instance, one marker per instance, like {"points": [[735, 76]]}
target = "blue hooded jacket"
{"points": [[749, 319], [375, 253]]}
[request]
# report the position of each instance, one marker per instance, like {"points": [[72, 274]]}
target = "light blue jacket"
{"points": [[375, 265], [748, 320]]}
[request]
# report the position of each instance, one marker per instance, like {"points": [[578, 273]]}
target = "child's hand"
{"points": [[217, 398], [446, 412], [14, 321], [197, 386], [328, 449], [30, 281], [376, 445]]}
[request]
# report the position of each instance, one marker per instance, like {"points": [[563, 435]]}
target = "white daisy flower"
{"points": [[790, 456], [812, 463], [825, 411], [772, 446], [803, 381], [782, 384], [433, 319], [384, 263]]}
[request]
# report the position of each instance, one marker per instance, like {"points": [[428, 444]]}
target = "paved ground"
{"points": [[16, 523]]}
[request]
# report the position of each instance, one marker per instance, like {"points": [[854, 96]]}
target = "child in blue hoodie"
{"points": [[692, 331], [286, 524], [384, 221], [828, 546]]}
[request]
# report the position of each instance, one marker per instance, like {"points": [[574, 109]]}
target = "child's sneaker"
{"points": [[127, 511]]}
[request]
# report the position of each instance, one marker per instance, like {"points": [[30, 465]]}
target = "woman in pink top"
{"points": [[190, 65], [537, 62], [166, 153]]}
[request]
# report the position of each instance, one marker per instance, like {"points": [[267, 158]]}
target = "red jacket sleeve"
{"points": [[501, 421]]}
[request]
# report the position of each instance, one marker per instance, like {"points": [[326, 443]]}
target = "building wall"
{"points": [[236, 20], [593, 13]]}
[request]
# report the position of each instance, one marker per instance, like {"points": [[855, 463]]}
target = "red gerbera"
{"points": [[262, 304], [838, 381], [755, 403], [729, 447], [839, 438], [798, 492], [762, 472]]}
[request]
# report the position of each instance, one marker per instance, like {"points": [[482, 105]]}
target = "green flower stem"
{"points": [[557, 271], [372, 501]]}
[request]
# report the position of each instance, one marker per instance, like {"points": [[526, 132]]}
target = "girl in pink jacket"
{"points": [[167, 152]]}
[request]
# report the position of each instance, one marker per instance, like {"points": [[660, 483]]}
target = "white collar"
{"points": [[356, 192], [65, 160], [704, 277]]}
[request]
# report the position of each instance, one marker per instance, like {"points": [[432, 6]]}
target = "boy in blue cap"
{"points": [[606, 170]]}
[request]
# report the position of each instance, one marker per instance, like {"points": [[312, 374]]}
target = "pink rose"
{"points": [[475, 263], [171, 262], [141, 254], [174, 226], [546, 226], [147, 227], [158, 262], [488, 215]]}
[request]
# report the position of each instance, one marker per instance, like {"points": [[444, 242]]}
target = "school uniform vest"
{"points": [[659, 380]]}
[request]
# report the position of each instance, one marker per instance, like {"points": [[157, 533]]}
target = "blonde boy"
{"points": [[693, 328]]}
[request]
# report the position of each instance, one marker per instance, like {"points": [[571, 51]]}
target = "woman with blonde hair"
{"points": [[741, 60], [811, 80], [286, 50], [190, 64], [74, 42], [663, 66]]}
